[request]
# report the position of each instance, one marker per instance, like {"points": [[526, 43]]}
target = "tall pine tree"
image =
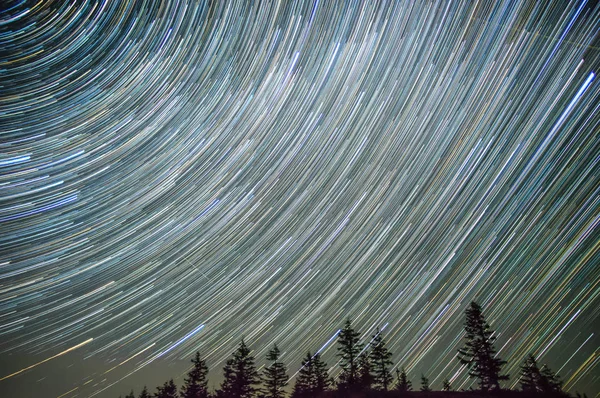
{"points": [[274, 377], [530, 375], [536, 380], [196, 384], [312, 378], [479, 354], [305, 379], [381, 362], [550, 381], [365, 375], [402, 384], [349, 348], [322, 381], [446, 385], [240, 375], [144, 393], [167, 390], [425, 384]]}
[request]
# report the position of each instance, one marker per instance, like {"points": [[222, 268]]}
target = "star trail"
{"points": [[176, 175]]}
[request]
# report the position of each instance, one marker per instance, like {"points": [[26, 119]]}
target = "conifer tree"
{"points": [[446, 385], [365, 378], [322, 380], [144, 393], [550, 382], [312, 378], [275, 377], [240, 375], [229, 380], [305, 379], [536, 380], [168, 390], [530, 375], [349, 348], [381, 363], [196, 384], [479, 354], [403, 384], [425, 384], [130, 395]]}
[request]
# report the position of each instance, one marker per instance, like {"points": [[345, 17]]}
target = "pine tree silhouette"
{"points": [[349, 348], [240, 375], [479, 353], [274, 377], [144, 393], [168, 390], [322, 380], [312, 378], [403, 384], [550, 382], [196, 384], [446, 385], [365, 377], [530, 375], [360, 370], [425, 384], [381, 363], [304, 386]]}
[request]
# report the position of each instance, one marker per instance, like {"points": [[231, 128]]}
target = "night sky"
{"points": [[176, 175]]}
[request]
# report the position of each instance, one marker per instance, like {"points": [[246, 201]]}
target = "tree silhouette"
{"points": [[322, 380], [479, 354], [530, 375], [229, 380], [305, 381], [446, 385], [144, 393], [349, 348], [365, 378], [312, 378], [168, 390], [275, 377], [361, 370], [403, 384], [550, 382], [381, 363], [196, 384], [240, 375], [425, 384]]}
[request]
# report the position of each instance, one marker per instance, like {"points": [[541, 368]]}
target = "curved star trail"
{"points": [[176, 175]]}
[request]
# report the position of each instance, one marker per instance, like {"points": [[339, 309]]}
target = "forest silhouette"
{"points": [[366, 371]]}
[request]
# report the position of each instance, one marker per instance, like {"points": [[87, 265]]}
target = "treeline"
{"points": [[366, 371]]}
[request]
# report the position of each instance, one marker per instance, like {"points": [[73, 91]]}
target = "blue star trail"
{"points": [[177, 175]]}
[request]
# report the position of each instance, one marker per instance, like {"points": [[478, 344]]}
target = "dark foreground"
{"points": [[439, 394]]}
